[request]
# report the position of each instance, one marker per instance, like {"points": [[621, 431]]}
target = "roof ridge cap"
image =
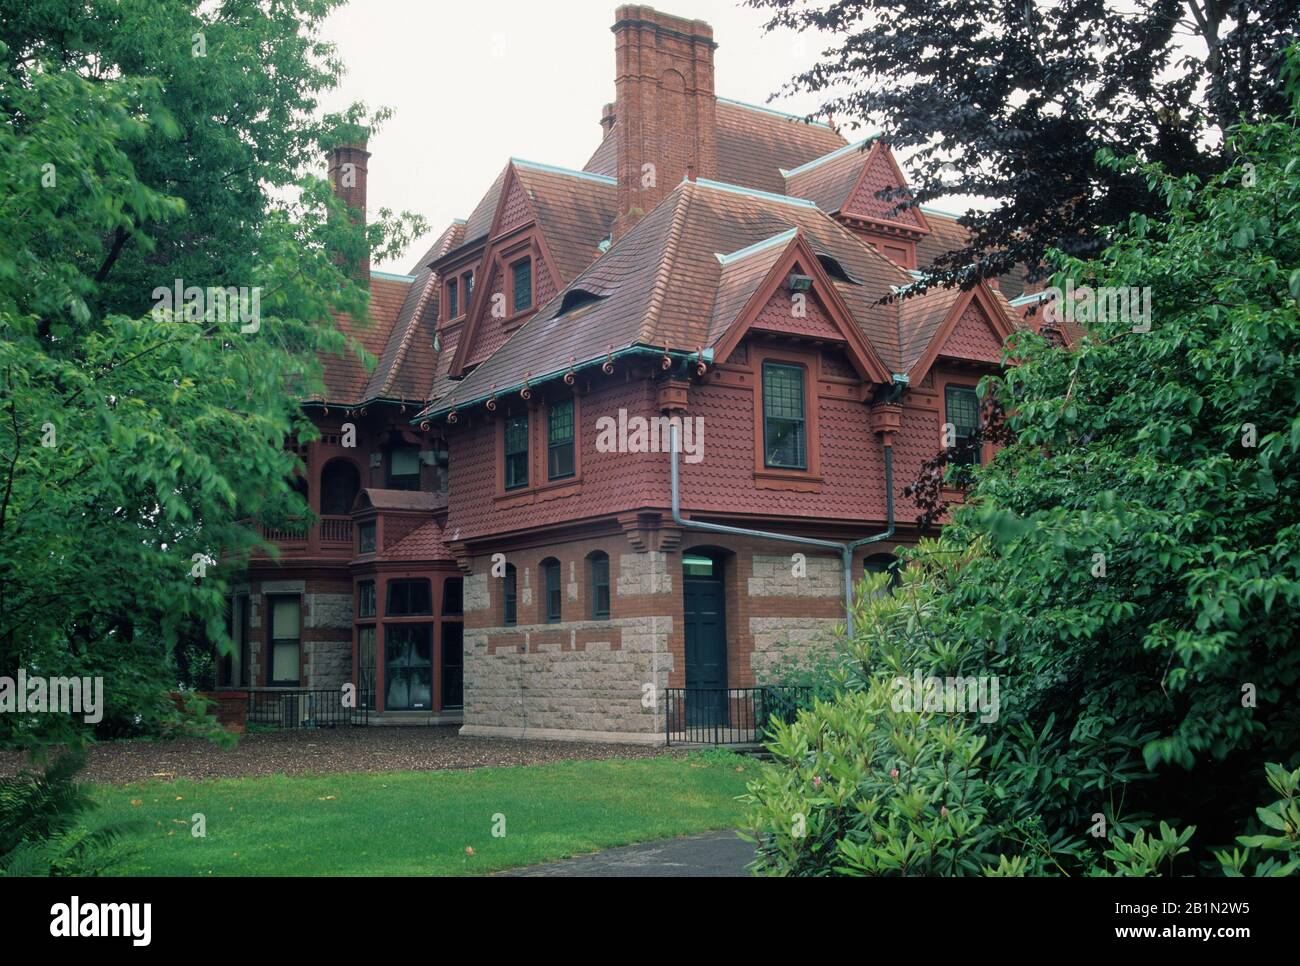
{"points": [[400, 355], [654, 307], [829, 156]]}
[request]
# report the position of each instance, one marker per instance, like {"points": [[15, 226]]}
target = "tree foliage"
{"points": [[1128, 568], [1011, 100], [143, 144]]}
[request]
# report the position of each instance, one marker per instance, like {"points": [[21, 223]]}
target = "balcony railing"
{"points": [[330, 533], [729, 716]]}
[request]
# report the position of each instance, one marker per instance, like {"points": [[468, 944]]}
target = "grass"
{"points": [[420, 823]]}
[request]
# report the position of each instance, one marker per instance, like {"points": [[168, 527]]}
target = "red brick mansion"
{"points": [[496, 542]]}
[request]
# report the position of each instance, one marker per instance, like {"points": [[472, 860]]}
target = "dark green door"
{"points": [[706, 641]]}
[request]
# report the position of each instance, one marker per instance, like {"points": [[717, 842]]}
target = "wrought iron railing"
{"points": [[729, 716], [293, 708]]}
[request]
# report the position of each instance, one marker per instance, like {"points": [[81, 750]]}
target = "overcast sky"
{"points": [[473, 83]]}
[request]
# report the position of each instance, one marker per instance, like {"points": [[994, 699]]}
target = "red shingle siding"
{"points": [[972, 338]]}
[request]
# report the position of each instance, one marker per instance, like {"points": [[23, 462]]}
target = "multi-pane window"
{"points": [[285, 641], [962, 411], [559, 441], [366, 598], [366, 538], [406, 597], [785, 443], [521, 273], [599, 563], [516, 451], [469, 288], [453, 299], [551, 584], [404, 468], [509, 598]]}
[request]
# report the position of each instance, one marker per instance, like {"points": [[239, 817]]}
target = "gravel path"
{"points": [[324, 751]]}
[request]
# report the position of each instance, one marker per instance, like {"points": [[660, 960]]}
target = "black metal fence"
{"points": [[292, 708], [729, 716]]}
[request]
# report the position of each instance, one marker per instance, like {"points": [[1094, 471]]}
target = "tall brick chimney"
{"points": [[347, 173], [664, 106]]}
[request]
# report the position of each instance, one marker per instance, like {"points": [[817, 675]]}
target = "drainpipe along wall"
{"points": [[846, 549]]}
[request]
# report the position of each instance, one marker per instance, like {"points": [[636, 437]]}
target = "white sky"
{"points": [[473, 84]]}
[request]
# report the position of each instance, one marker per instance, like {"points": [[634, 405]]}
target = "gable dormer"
{"points": [[890, 230]]}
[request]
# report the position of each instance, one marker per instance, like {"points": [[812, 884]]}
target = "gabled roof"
{"points": [[345, 375], [663, 285], [574, 209], [829, 180], [753, 145], [405, 368]]}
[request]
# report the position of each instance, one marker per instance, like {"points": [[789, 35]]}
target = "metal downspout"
{"points": [[845, 549]]}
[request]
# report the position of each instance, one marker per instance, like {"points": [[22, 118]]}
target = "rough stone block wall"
{"points": [[582, 676], [327, 640], [779, 576], [780, 640]]}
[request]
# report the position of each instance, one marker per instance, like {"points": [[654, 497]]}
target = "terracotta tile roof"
{"points": [[381, 499], [650, 289], [346, 376], [406, 366], [605, 158], [753, 145], [828, 180], [947, 235], [479, 222], [574, 209], [423, 543], [452, 237]]}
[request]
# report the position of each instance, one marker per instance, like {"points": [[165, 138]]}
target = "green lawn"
{"points": [[420, 823]]}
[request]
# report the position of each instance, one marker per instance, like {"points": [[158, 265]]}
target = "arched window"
{"points": [[509, 597], [551, 587], [339, 483], [598, 574], [884, 563]]}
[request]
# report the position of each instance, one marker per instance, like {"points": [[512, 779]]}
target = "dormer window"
{"points": [[467, 282], [962, 410], [785, 441], [453, 299], [521, 279]]}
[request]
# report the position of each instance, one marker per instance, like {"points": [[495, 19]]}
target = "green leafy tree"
{"points": [[1010, 100], [1131, 569], [143, 143]]}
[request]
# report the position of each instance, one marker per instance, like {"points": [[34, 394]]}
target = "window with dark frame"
{"points": [[453, 299], [453, 597], [366, 598], [468, 279], [785, 443], [599, 564], [516, 452], [509, 601], [408, 597], [366, 537], [521, 274], [404, 468], [559, 441], [551, 583], [286, 644], [962, 410]]}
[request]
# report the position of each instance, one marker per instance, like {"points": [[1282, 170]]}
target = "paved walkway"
{"points": [[713, 854]]}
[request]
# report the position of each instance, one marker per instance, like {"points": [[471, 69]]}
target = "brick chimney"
{"points": [[664, 104], [347, 173]]}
